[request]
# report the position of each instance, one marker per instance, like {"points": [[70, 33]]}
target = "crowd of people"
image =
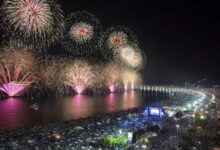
{"points": [[88, 133]]}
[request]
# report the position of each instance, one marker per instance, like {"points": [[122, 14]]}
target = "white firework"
{"points": [[130, 56], [32, 24], [117, 39], [31, 15], [81, 32], [111, 76], [79, 75], [130, 78]]}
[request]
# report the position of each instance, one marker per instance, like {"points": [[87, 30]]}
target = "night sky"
{"points": [[181, 40]]}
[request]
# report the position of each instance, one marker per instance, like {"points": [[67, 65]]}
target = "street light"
{"points": [[177, 127], [120, 131], [202, 117], [144, 146]]}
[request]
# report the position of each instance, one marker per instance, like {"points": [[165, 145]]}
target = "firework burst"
{"points": [[32, 23], [116, 37], [111, 76], [81, 32], [16, 71], [13, 82], [83, 36], [79, 75], [129, 56], [130, 79]]}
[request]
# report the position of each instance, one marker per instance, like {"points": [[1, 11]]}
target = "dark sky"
{"points": [[181, 39]]}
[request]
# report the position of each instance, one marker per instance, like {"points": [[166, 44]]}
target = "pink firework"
{"points": [[11, 81], [112, 88], [81, 32], [12, 88], [117, 39], [79, 88]]}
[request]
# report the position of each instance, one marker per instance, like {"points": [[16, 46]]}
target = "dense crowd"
{"points": [[88, 133]]}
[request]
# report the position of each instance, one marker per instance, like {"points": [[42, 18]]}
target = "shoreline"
{"points": [[73, 120]]}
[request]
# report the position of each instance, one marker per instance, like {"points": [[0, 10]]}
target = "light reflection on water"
{"points": [[17, 113]]}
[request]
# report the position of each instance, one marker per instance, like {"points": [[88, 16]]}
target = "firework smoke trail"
{"points": [[129, 56], [111, 76], [17, 57], [32, 23], [51, 67], [16, 71], [116, 37], [79, 75], [83, 34]]}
